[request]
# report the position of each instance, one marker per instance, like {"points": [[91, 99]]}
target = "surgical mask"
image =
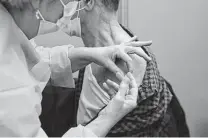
{"points": [[65, 24], [46, 27], [70, 8], [71, 26]]}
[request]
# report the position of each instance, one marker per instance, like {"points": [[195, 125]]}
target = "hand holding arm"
{"points": [[106, 56], [123, 103]]}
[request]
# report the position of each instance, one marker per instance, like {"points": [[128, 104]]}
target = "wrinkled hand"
{"points": [[106, 56], [125, 99]]}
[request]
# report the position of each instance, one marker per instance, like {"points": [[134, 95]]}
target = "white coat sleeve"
{"points": [[60, 65], [79, 131]]}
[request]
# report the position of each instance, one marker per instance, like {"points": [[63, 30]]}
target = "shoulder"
{"points": [[149, 51]]}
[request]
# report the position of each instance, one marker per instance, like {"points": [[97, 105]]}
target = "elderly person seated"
{"points": [[153, 115]]}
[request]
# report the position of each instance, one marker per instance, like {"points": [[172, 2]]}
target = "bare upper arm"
{"points": [[139, 68]]}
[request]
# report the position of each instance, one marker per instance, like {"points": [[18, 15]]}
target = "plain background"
{"points": [[179, 30]]}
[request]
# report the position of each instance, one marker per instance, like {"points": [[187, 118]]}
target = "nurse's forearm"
{"points": [[80, 57], [102, 125]]}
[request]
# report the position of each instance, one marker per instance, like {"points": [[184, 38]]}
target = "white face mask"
{"points": [[45, 27], [70, 8], [67, 25]]}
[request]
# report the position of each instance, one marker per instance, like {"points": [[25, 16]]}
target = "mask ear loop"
{"points": [[37, 12], [39, 15], [79, 9], [62, 3]]}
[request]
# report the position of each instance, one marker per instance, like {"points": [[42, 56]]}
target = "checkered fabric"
{"points": [[153, 100]]}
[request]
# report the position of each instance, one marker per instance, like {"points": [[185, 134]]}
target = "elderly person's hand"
{"points": [[124, 101], [106, 56]]}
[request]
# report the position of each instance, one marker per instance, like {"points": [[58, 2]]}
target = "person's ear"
{"points": [[89, 5]]}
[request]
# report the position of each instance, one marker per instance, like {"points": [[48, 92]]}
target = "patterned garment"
{"points": [[153, 100]]}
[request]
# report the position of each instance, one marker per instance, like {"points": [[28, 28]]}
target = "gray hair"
{"points": [[15, 3], [111, 4]]}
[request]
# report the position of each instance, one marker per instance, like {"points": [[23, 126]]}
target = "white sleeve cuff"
{"points": [[79, 131], [61, 72]]}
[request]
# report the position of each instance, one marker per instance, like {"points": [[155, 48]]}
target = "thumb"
{"points": [[124, 87]]}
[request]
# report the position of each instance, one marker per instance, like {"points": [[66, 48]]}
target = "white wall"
{"points": [[179, 30]]}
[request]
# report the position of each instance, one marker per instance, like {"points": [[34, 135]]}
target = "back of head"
{"points": [[14, 3], [111, 4]]}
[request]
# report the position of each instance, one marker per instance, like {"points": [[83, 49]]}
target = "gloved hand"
{"points": [[106, 56], [125, 99]]}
